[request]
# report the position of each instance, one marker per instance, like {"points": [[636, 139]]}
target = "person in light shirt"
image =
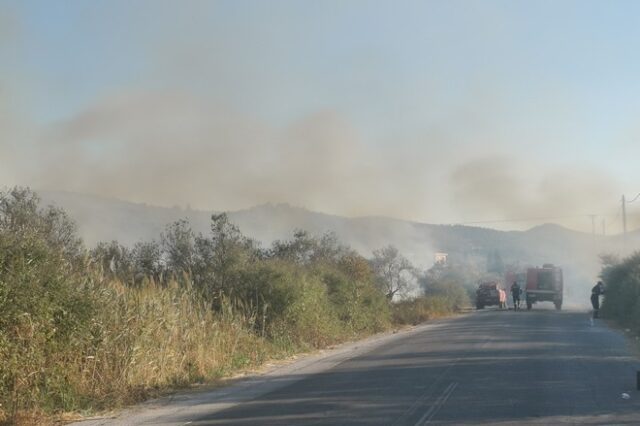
{"points": [[503, 298]]}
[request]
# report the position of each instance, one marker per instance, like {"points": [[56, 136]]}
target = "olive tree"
{"points": [[394, 273], [179, 248]]}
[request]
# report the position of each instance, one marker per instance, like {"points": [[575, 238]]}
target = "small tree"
{"points": [[305, 249], [221, 258], [114, 259], [20, 214], [394, 273], [178, 246], [148, 261], [298, 250]]}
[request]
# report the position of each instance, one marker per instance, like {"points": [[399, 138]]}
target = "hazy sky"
{"points": [[436, 111]]}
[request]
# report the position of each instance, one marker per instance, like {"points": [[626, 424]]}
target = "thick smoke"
{"points": [[10, 137], [168, 148], [11, 125], [498, 188], [376, 144], [171, 148]]}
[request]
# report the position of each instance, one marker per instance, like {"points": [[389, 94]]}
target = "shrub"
{"points": [[359, 304], [622, 294], [45, 307], [305, 318]]}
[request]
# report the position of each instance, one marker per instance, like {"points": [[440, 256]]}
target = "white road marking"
{"points": [[442, 399]]}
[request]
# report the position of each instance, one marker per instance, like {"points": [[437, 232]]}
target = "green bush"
{"points": [[45, 307], [360, 305], [301, 315], [622, 291]]}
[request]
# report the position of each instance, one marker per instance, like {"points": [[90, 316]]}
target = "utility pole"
{"points": [[593, 226], [624, 223], [604, 232]]}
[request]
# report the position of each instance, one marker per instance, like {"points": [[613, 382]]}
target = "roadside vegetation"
{"points": [[622, 290], [84, 329]]}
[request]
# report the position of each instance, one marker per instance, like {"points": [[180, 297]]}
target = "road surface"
{"points": [[490, 367]]}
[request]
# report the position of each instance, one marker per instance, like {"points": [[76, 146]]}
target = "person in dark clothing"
{"points": [[515, 294], [596, 292]]}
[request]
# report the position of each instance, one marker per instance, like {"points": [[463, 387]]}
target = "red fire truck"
{"points": [[544, 285]]}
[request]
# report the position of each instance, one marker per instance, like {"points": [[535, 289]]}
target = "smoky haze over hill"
{"points": [[105, 219], [228, 105]]}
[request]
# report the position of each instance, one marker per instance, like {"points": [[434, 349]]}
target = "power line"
{"points": [[624, 220], [634, 199], [616, 217]]}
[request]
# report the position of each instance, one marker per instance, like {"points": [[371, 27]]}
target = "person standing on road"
{"points": [[596, 292], [515, 293], [503, 298]]}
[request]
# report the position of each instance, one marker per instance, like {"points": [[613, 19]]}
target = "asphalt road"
{"points": [[490, 367]]}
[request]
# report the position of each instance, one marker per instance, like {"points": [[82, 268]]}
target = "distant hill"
{"points": [[105, 219]]}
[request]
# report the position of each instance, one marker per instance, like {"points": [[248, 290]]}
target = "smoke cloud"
{"points": [[225, 111], [168, 148], [497, 188], [173, 148], [11, 122]]}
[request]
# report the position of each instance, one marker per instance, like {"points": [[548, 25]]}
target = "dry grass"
{"points": [[141, 342], [146, 341], [157, 338], [422, 309]]}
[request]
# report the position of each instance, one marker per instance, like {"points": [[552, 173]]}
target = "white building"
{"points": [[440, 258]]}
